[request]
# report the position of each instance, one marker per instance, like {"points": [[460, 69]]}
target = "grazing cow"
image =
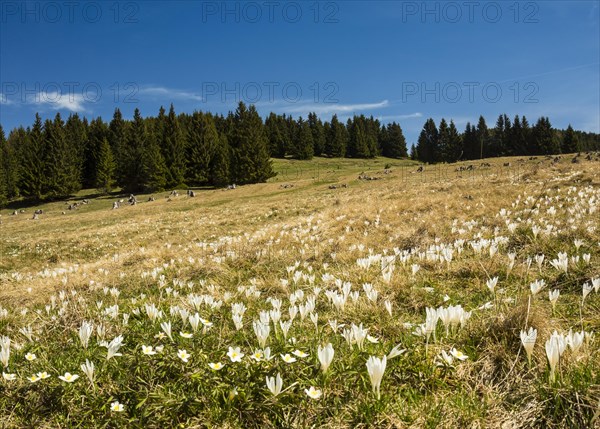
{"points": [[39, 211], [507, 164], [116, 205], [35, 216], [85, 202], [132, 200], [151, 198], [191, 193], [15, 213], [174, 193]]}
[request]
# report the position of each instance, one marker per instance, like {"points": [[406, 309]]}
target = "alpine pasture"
{"points": [[446, 298]]}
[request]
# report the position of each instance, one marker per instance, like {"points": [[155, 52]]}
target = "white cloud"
{"points": [[4, 100], [304, 108], [60, 101], [169, 93], [415, 115]]}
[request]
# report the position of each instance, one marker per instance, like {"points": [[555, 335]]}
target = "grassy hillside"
{"points": [[374, 267]]}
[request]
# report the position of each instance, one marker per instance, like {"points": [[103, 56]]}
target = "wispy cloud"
{"points": [[306, 107], [4, 100], [60, 101], [161, 92], [415, 115]]}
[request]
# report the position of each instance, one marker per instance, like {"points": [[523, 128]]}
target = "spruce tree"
{"points": [[154, 168], [303, 144], [570, 141], [336, 139], [104, 175], [97, 132], [442, 153], [275, 136], [454, 148], [318, 133], [203, 140], [219, 163], [76, 131], [358, 145], [250, 161], [3, 169], [428, 143], [32, 159], [173, 149], [470, 142], [483, 136], [61, 169], [131, 177], [10, 162], [118, 139], [393, 143], [544, 140]]}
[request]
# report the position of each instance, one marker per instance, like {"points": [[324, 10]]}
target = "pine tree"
{"points": [[303, 145], [570, 141], [443, 142], [219, 164], [544, 140], [10, 163], [249, 155], [173, 149], [61, 169], [3, 169], [76, 131], [118, 136], [428, 143], [132, 155], [97, 132], [154, 167], [358, 145], [483, 136], [336, 139], [470, 142], [203, 140], [32, 160], [104, 175], [318, 134], [275, 136], [454, 148], [393, 144]]}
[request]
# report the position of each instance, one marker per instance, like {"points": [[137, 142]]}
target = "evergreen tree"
{"points": [[454, 147], [393, 143], [483, 138], [118, 139], [76, 131], [104, 175], [132, 156], [336, 139], [470, 142], [97, 132], [318, 134], [3, 169], [32, 158], [10, 163], [414, 154], [275, 136], [427, 142], [249, 155], [219, 164], [570, 141], [61, 169], [543, 138], [154, 168], [303, 145], [203, 140], [172, 143], [358, 145], [443, 143]]}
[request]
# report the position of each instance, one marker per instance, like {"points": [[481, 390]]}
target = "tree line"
{"points": [[444, 143], [53, 159]]}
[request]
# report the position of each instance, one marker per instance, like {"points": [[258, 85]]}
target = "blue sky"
{"points": [[403, 61]]}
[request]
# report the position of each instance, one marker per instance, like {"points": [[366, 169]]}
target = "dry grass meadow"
{"points": [[375, 268]]}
